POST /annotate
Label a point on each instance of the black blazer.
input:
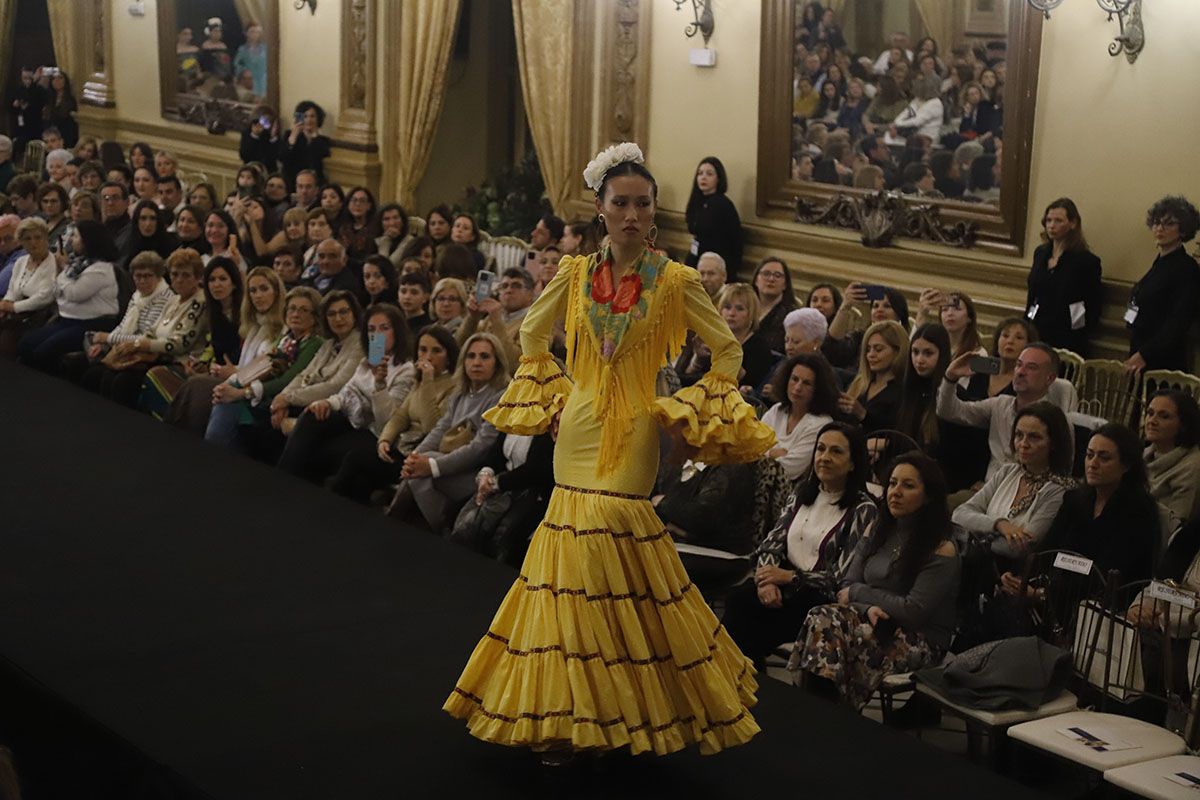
(1166, 297)
(1075, 279)
(1124, 537)
(981, 120)
(718, 228)
(883, 408)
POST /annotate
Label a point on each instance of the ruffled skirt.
(603, 642)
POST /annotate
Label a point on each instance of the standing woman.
(61, 107)
(86, 291)
(776, 299)
(625, 308)
(895, 609)
(305, 146)
(1064, 296)
(1163, 303)
(712, 219)
(874, 395)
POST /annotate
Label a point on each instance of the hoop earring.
(651, 235)
(601, 217)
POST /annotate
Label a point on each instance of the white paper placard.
(1099, 739)
(1073, 563)
(1176, 597)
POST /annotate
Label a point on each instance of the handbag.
(458, 436)
(477, 522)
(119, 361)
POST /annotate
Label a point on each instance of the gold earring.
(651, 235)
(601, 216)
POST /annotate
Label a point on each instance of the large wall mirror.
(218, 60)
(931, 100)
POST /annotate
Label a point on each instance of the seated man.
(711, 267)
(332, 273)
(1035, 374)
(502, 317)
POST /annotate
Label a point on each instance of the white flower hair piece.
(598, 167)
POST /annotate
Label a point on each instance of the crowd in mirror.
(215, 69)
(919, 460)
(908, 119)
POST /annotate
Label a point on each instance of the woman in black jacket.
(1064, 294)
(260, 142)
(712, 219)
(1163, 303)
(305, 147)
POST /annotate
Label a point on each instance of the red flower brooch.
(626, 294)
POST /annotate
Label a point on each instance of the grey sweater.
(926, 607)
(463, 407)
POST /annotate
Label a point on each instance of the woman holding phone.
(330, 430)
(844, 341)
(305, 146)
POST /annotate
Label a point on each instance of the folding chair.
(1155, 380)
(509, 251)
(884, 445)
(1107, 390)
(1054, 587)
(35, 157)
(1100, 741)
(1070, 363)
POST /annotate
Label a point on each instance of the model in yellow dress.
(603, 641)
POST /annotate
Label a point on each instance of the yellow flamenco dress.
(603, 641)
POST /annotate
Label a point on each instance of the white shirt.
(32, 286)
(881, 63)
(810, 527)
(799, 443)
(921, 117)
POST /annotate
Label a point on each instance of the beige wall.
(310, 58)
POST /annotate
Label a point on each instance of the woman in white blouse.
(801, 561)
(806, 395)
(30, 296)
(923, 116)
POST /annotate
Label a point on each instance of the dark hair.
(520, 273)
(970, 338)
(1074, 240)
(917, 416)
(981, 172)
(22, 185)
(443, 211)
(889, 91)
(696, 199)
(1179, 208)
(386, 207)
(788, 300)
(216, 318)
(170, 179)
(223, 215)
(304, 105)
(587, 230)
(837, 296)
(413, 249)
(930, 525)
(899, 304)
(1051, 353)
(1031, 332)
(454, 260)
(50, 187)
(940, 162)
(1129, 453)
(124, 169)
(97, 242)
(474, 228)
(1188, 412)
(914, 172)
(371, 218)
(860, 470)
(628, 168)
(343, 214)
(402, 348)
(445, 338)
(554, 224)
(337, 296)
(200, 244)
(825, 388)
(161, 242)
(147, 152)
(414, 279)
(387, 269)
(1062, 451)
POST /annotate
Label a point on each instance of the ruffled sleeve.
(713, 416)
(537, 392)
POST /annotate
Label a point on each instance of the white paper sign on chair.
(1073, 563)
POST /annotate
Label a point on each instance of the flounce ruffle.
(717, 421)
(537, 392)
(603, 642)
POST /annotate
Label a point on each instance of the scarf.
(76, 264)
(1020, 506)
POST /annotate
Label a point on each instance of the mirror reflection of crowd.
(212, 70)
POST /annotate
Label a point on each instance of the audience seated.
(413, 419)
(381, 281)
(804, 558)
(956, 312)
(30, 298)
(806, 398)
(844, 343)
(501, 317)
(448, 303)
(711, 267)
(772, 283)
(413, 291)
(739, 306)
(1172, 432)
(873, 398)
(439, 475)
(804, 331)
(333, 272)
(895, 609)
(394, 236)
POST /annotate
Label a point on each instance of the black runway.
(177, 621)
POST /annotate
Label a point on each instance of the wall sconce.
(702, 18)
(1130, 40)
(300, 4)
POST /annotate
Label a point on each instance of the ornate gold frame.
(1000, 229)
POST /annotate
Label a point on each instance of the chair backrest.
(509, 251)
(416, 225)
(1107, 390)
(884, 445)
(1069, 365)
(1156, 380)
(189, 179)
(35, 157)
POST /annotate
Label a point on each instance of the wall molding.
(356, 116)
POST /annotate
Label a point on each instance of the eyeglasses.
(1164, 223)
(305, 310)
(339, 313)
(111, 198)
(766, 274)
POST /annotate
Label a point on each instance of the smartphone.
(875, 292)
(984, 365)
(264, 122)
(483, 285)
(376, 342)
(243, 191)
(299, 117)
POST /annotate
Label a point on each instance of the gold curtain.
(544, 62)
(940, 22)
(66, 21)
(420, 39)
(254, 10)
(8, 16)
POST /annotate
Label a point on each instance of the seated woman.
(239, 401)
(411, 422)
(448, 303)
(220, 231)
(895, 609)
(317, 229)
(465, 231)
(331, 430)
(1172, 456)
(873, 398)
(738, 304)
(29, 301)
(360, 227)
(116, 351)
(218, 343)
(440, 474)
(149, 232)
(1112, 519)
(394, 235)
(261, 326)
(805, 556)
(826, 298)
(806, 397)
(804, 331)
(291, 237)
(844, 343)
(87, 293)
(379, 280)
(772, 283)
(189, 230)
(956, 312)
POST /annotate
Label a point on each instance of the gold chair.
(190, 179)
(1071, 362)
(1107, 391)
(1154, 380)
(509, 251)
(35, 157)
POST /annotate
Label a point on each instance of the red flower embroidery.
(628, 293)
(602, 285)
